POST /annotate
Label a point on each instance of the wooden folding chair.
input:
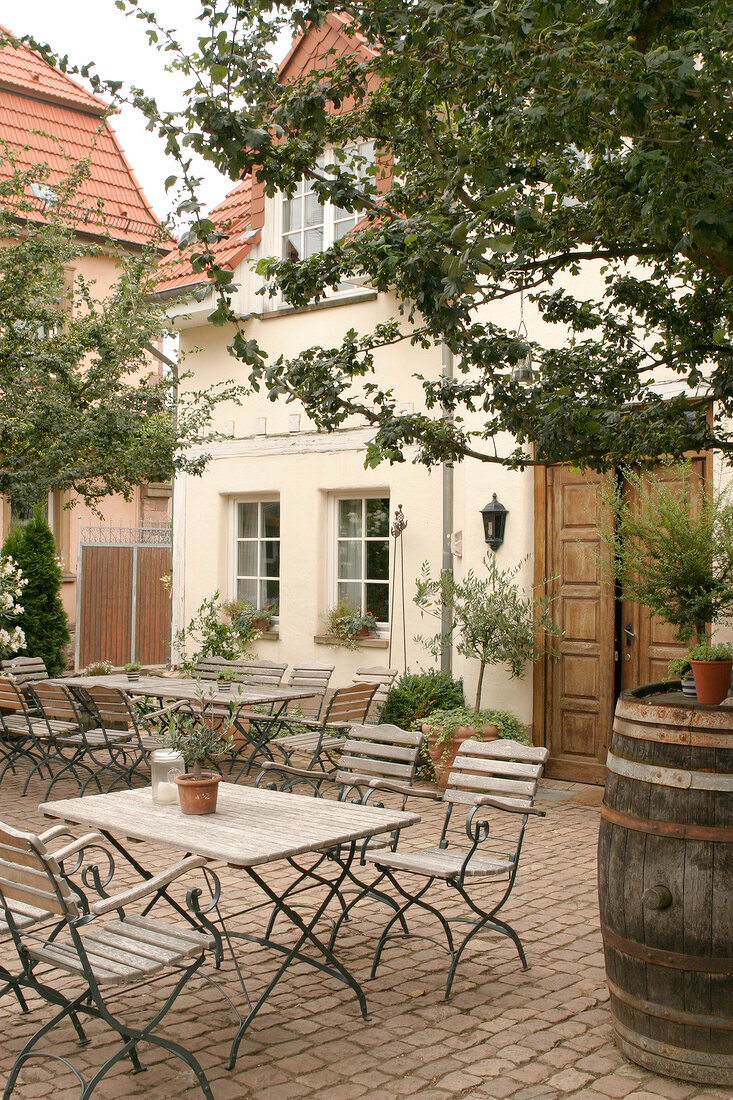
(502, 775)
(104, 955)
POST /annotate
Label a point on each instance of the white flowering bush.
(12, 583)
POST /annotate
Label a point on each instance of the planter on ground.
(665, 879)
(443, 752)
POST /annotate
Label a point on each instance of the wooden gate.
(609, 643)
(123, 610)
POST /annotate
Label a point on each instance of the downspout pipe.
(446, 564)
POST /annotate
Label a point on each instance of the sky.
(95, 30)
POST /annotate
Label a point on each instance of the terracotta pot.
(198, 796)
(443, 753)
(261, 624)
(712, 680)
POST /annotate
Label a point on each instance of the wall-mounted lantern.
(494, 516)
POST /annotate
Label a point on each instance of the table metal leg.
(329, 964)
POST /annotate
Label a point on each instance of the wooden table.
(170, 687)
(255, 738)
(251, 828)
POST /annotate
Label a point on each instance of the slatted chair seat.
(43, 728)
(114, 952)
(502, 776)
(99, 738)
(441, 863)
(124, 951)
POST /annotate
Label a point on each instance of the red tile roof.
(232, 216)
(244, 206)
(45, 117)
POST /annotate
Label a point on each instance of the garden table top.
(169, 687)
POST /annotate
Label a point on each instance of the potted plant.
(679, 668)
(132, 668)
(447, 729)
(492, 620)
(224, 680)
(200, 737)
(673, 551)
(711, 667)
(345, 623)
(248, 619)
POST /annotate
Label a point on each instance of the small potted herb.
(711, 667)
(132, 668)
(200, 737)
(225, 680)
(680, 669)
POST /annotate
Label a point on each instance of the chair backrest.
(25, 670)
(111, 707)
(266, 673)
(314, 678)
(384, 678)
(31, 883)
(56, 702)
(504, 769)
(11, 697)
(350, 704)
(379, 752)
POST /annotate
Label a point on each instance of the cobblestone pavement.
(535, 1035)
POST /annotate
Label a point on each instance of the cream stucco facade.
(273, 453)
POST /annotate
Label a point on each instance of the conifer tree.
(43, 620)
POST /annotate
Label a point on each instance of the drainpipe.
(446, 617)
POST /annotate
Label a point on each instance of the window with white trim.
(308, 225)
(257, 552)
(362, 553)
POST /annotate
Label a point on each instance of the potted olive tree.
(200, 737)
(673, 553)
(493, 622)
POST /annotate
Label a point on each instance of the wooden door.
(576, 686)
(608, 644)
(647, 644)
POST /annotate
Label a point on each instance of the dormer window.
(309, 226)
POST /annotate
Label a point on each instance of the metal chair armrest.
(287, 769)
(148, 886)
(401, 788)
(510, 806)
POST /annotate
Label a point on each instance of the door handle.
(629, 632)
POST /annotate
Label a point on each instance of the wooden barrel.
(665, 882)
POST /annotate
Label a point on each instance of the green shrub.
(416, 694)
(446, 722)
(721, 651)
(43, 621)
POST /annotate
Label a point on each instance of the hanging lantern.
(494, 516)
(522, 369)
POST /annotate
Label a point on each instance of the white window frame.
(276, 242)
(333, 539)
(259, 500)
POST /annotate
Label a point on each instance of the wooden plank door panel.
(153, 611)
(105, 618)
(580, 680)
